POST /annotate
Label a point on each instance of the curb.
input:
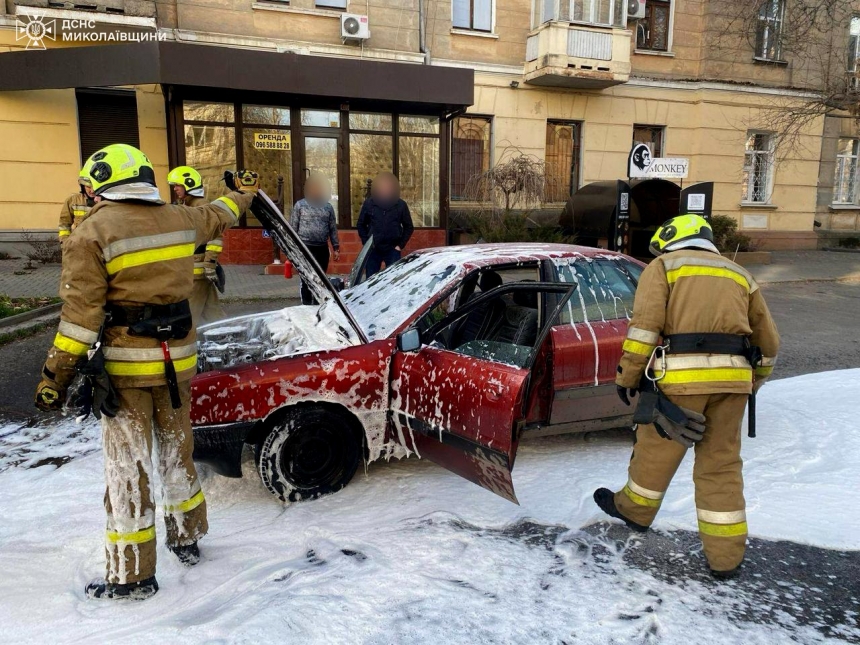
(12, 321)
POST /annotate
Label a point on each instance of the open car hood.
(314, 277)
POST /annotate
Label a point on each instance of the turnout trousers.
(716, 473)
(205, 306)
(146, 420)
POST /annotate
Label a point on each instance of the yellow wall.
(708, 126)
(40, 155)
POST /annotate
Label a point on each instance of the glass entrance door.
(321, 155)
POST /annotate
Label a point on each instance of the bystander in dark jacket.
(386, 218)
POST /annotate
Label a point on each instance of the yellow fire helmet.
(185, 176)
(682, 232)
(84, 179)
(116, 165)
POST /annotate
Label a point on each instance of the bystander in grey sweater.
(316, 225)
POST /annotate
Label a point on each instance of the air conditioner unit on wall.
(354, 27)
(635, 9)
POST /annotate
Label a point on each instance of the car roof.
(478, 255)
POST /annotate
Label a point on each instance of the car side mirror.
(337, 283)
(409, 341)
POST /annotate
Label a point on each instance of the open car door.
(462, 406)
(357, 275)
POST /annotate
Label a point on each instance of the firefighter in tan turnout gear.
(76, 208)
(187, 186)
(126, 279)
(702, 330)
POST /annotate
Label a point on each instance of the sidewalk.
(249, 283)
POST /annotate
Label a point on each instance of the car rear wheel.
(307, 453)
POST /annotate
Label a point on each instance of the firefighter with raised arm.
(126, 324)
(701, 341)
(76, 208)
(187, 186)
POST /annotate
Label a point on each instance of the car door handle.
(496, 392)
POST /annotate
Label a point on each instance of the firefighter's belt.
(731, 344)
(162, 322)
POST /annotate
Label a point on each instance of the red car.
(452, 354)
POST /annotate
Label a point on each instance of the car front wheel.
(307, 453)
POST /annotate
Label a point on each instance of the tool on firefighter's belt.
(163, 323)
(754, 356)
(658, 353)
(91, 390)
(670, 420)
(170, 377)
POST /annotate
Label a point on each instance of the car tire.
(308, 452)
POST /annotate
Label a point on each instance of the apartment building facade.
(434, 90)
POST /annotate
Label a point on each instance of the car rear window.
(606, 289)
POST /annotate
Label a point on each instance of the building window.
(418, 167)
(845, 181)
(758, 168)
(476, 15)
(854, 53)
(562, 159)
(651, 136)
(652, 32)
(595, 12)
(769, 30)
(331, 4)
(470, 151)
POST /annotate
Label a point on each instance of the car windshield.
(386, 300)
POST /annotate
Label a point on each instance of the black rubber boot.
(605, 499)
(730, 574)
(104, 590)
(189, 555)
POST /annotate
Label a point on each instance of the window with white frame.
(854, 53)
(611, 13)
(474, 15)
(845, 180)
(758, 168)
(768, 44)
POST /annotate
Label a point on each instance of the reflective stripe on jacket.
(205, 255)
(74, 211)
(692, 291)
(133, 254)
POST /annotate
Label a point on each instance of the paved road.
(818, 323)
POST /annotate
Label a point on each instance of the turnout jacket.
(693, 291)
(205, 255)
(131, 253)
(74, 211)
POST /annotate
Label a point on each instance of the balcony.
(563, 54)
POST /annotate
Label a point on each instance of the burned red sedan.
(452, 354)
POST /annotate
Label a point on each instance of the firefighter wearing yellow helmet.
(187, 186)
(700, 342)
(125, 332)
(77, 207)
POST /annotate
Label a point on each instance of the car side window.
(606, 289)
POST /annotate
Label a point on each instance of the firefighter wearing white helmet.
(125, 330)
(187, 186)
(701, 341)
(76, 208)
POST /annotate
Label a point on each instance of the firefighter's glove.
(105, 400)
(625, 393)
(210, 273)
(247, 181)
(49, 395)
(671, 421)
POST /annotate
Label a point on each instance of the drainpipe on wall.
(422, 30)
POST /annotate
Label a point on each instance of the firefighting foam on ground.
(410, 553)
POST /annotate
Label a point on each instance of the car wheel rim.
(313, 457)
